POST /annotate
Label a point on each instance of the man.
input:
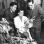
(36, 12)
(10, 13)
(22, 24)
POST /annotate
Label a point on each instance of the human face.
(13, 8)
(21, 13)
(30, 5)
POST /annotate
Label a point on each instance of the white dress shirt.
(20, 24)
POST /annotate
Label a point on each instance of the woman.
(22, 24)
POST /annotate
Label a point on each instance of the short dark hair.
(13, 3)
(20, 10)
(31, 1)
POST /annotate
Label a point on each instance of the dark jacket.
(38, 13)
(9, 16)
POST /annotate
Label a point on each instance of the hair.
(13, 3)
(31, 1)
(20, 10)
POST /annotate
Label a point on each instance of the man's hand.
(31, 20)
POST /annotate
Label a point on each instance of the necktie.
(31, 13)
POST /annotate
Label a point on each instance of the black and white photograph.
(21, 21)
